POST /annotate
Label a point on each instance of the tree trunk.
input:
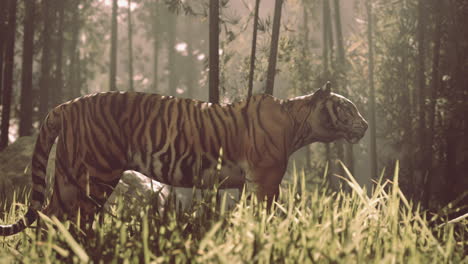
(345, 150)
(58, 96)
(326, 45)
(172, 30)
(339, 35)
(305, 24)
(421, 84)
(8, 74)
(214, 52)
(155, 15)
(79, 78)
(327, 39)
(74, 87)
(329, 32)
(336, 147)
(373, 141)
(45, 80)
(270, 82)
(254, 49)
(191, 73)
(407, 108)
(113, 55)
(3, 32)
(26, 107)
(305, 51)
(130, 48)
(431, 108)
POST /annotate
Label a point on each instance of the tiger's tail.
(45, 140)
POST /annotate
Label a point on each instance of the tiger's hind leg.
(82, 190)
(97, 185)
(63, 202)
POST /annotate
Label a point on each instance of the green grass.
(309, 224)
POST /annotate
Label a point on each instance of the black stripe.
(162, 127)
(234, 119)
(177, 142)
(38, 180)
(179, 113)
(31, 216)
(186, 168)
(37, 164)
(245, 116)
(107, 118)
(144, 114)
(260, 124)
(73, 144)
(16, 227)
(201, 123)
(165, 160)
(225, 136)
(38, 196)
(216, 131)
(96, 145)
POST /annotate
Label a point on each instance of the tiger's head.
(335, 117)
(325, 116)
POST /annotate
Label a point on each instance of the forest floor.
(309, 224)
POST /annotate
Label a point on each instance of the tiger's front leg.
(264, 182)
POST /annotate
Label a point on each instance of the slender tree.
(74, 86)
(8, 74)
(113, 54)
(270, 82)
(407, 106)
(130, 47)
(326, 69)
(254, 48)
(341, 68)
(26, 107)
(373, 150)
(58, 91)
(191, 60)
(214, 52)
(46, 61)
(421, 80)
(305, 47)
(455, 50)
(435, 81)
(326, 40)
(171, 43)
(156, 41)
(305, 24)
(339, 34)
(3, 32)
(329, 32)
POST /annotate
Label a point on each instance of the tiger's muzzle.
(357, 132)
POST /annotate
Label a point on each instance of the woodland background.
(404, 63)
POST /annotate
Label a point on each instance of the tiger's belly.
(201, 170)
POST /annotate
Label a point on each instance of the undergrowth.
(309, 224)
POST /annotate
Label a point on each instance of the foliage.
(309, 224)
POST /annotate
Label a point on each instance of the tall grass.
(309, 224)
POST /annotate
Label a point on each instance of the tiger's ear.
(327, 88)
(325, 91)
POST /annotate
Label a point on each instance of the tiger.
(177, 142)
